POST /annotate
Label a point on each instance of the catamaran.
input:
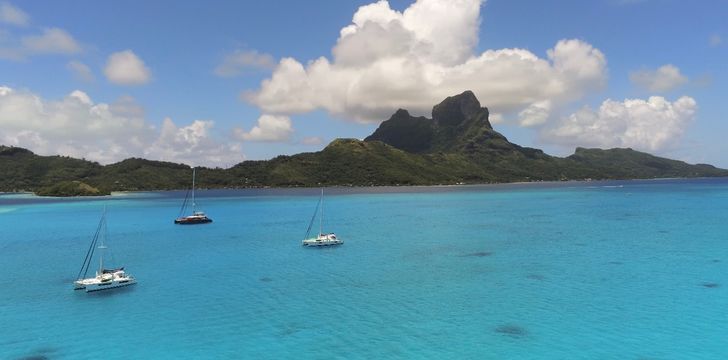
(322, 239)
(105, 279)
(197, 217)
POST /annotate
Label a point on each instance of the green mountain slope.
(20, 169)
(628, 163)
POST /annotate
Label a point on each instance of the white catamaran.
(105, 279)
(322, 239)
(197, 217)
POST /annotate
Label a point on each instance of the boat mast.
(103, 243)
(321, 220)
(193, 191)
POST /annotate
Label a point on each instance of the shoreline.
(338, 188)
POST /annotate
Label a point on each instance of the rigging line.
(102, 225)
(102, 236)
(184, 204)
(310, 224)
(90, 252)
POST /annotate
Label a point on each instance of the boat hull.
(319, 243)
(93, 286)
(106, 280)
(113, 285)
(185, 221)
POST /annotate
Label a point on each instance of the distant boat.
(322, 239)
(105, 279)
(197, 217)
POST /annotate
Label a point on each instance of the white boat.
(322, 239)
(105, 279)
(197, 217)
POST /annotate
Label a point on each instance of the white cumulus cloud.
(77, 126)
(239, 61)
(665, 78)
(10, 14)
(126, 68)
(17, 47)
(413, 59)
(51, 41)
(496, 118)
(269, 128)
(654, 124)
(194, 145)
(73, 126)
(535, 114)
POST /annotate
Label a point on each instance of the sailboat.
(322, 239)
(197, 217)
(105, 279)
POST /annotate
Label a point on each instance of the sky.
(214, 83)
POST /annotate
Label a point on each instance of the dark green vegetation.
(458, 145)
(71, 188)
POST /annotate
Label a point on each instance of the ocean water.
(597, 270)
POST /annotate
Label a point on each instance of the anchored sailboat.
(322, 239)
(197, 217)
(105, 279)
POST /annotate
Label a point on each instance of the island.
(458, 145)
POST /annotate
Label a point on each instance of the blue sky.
(216, 82)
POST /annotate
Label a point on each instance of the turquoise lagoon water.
(600, 270)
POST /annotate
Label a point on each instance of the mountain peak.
(405, 132)
(457, 122)
(401, 113)
(455, 109)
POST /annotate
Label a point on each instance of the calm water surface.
(600, 270)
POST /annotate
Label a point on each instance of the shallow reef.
(478, 254)
(511, 330)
